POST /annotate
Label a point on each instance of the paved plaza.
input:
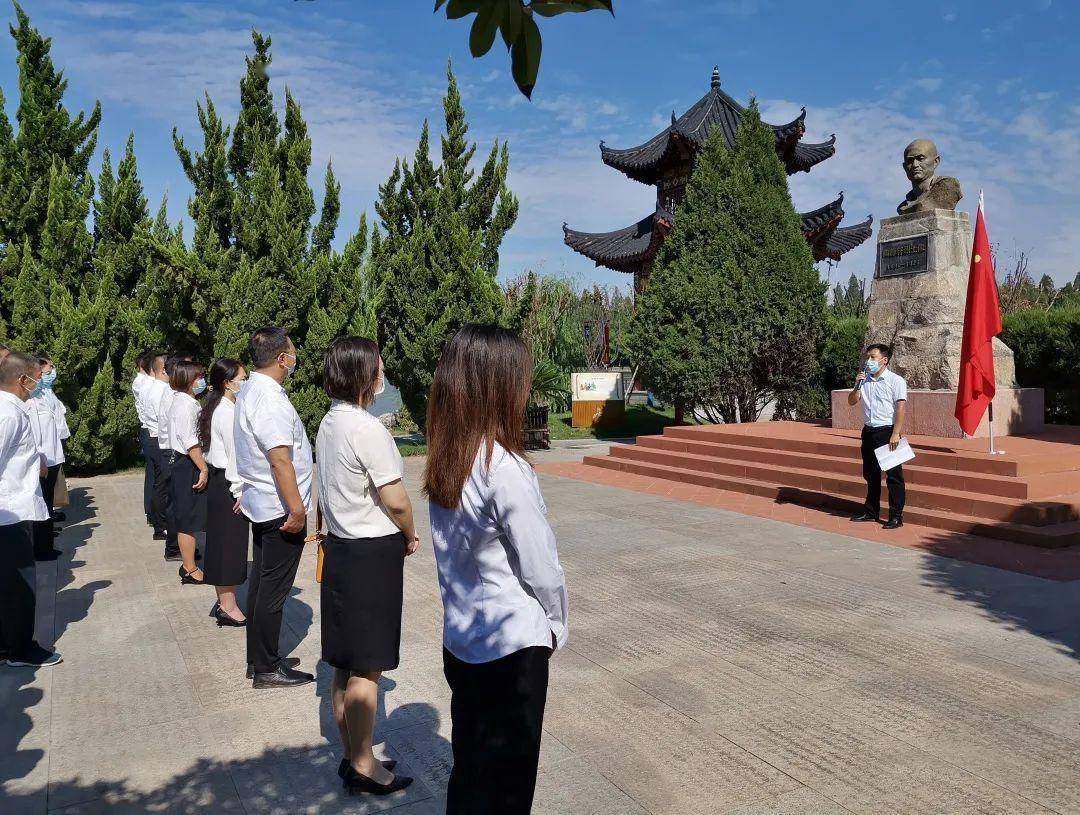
(718, 663)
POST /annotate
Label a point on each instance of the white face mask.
(290, 369)
(381, 386)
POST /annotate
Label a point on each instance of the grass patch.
(640, 420)
(410, 449)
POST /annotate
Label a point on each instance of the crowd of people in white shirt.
(229, 463)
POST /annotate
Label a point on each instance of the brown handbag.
(317, 537)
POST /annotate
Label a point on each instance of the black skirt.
(225, 557)
(363, 581)
(189, 507)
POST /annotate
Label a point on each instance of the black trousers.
(43, 530)
(872, 438)
(160, 497)
(148, 472)
(275, 559)
(497, 710)
(169, 511)
(18, 587)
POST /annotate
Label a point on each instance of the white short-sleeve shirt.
(183, 427)
(151, 397)
(355, 455)
(879, 397)
(138, 391)
(499, 573)
(164, 404)
(222, 453)
(20, 465)
(48, 424)
(265, 419)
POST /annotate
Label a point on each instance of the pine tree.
(733, 314)
(434, 268)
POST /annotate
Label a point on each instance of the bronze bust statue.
(928, 191)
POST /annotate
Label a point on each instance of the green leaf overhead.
(525, 56)
(515, 20)
(482, 36)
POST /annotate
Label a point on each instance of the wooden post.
(679, 412)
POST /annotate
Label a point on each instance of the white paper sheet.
(887, 459)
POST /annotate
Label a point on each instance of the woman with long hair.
(225, 560)
(504, 596)
(370, 532)
(188, 468)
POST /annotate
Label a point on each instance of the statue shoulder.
(946, 190)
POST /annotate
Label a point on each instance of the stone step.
(1035, 457)
(994, 508)
(1053, 536)
(1035, 487)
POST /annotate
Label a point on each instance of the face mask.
(872, 366)
(36, 389)
(48, 379)
(289, 370)
(200, 386)
(382, 385)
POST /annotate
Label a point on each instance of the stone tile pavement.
(718, 663)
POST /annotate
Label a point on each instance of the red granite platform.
(961, 501)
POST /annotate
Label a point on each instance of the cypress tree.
(434, 268)
(49, 144)
(733, 315)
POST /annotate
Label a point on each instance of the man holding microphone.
(884, 397)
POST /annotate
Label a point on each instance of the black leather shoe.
(47, 555)
(224, 619)
(356, 783)
(288, 662)
(894, 523)
(186, 578)
(343, 767)
(281, 678)
(865, 517)
(159, 536)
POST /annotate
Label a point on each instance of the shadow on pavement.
(17, 696)
(1046, 608)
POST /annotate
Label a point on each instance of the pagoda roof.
(846, 238)
(624, 250)
(687, 133)
(628, 249)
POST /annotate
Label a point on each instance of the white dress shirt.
(139, 387)
(499, 573)
(355, 455)
(164, 405)
(222, 453)
(48, 424)
(151, 396)
(265, 419)
(20, 465)
(880, 393)
(183, 422)
(61, 414)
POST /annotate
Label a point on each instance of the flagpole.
(990, 408)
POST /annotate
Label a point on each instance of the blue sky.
(995, 83)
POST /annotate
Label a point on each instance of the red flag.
(982, 322)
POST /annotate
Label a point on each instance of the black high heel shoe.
(355, 782)
(186, 578)
(225, 619)
(343, 767)
(214, 609)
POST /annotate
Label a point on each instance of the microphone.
(859, 383)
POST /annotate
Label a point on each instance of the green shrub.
(1045, 345)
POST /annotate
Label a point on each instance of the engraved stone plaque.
(903, 256)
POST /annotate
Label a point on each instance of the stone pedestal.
(921, 313)
(1017, 412)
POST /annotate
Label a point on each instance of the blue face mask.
(48, 379)
(38, 390)
(872, 366)
(200, 385)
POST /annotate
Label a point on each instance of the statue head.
(921, 161)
